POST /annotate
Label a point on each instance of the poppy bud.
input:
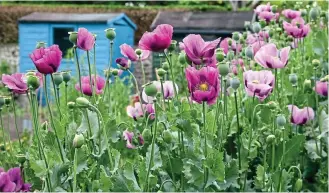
(78, 140)
(172, 46)
(235, 83)
(315, 62)
(242, 41)
(21, 158)
(66, 76)
(115, 72)
(293, 79)
(230, 55)
(249, 52)
(82, 102)
(274, 8)
(247, 24)
(33, 82)
(7, 100)
(262, 23)
(110, 33)
(272, 105)
(236, 36)
(138, 52)
(314, 13)
(161, 72)
(165, 66)
(150, 89)
(167, 137)
(182, 58)
(71, 105)
(303, 12)
(40, 45)
(270, 139)
(2, 101)
(223, 69)
(298, 185)
(256, 27)
(307, 86)
(220, 56)
(58, 78)
(73, 37)
(280, 120)
(147, 135)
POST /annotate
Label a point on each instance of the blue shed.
(53, 28)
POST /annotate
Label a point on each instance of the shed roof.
(74, 18)
(198, 22)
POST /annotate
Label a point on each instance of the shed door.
(61, 38)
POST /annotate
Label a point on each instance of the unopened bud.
(147, 135)
(249, 52)
(315, 62)
(182, 58)
(58, 78)
(229, 42)
(293, 79)
(150, 89)
(78, 140)
(82, 102)
(262, 23)
(165, 66)
(270, 139)
(274, 8)
(230, 55)
(314, 13)
(281, 121)
(172, 46)
(256, 27)
(73, 37)
(236, 36)
(220, 56)
(307, 86)
(298, 185)
(71, 105)
(161, 72)
(167, 137)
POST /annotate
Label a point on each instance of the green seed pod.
(220, 56)
(293, 79)
(270, 139)
(167, 137)
(147, 135)
(256, 27)
(315, 62)
(182, 58)
(229, 42)
(298, 185)
(223, 69)
(236, 36)
(110, 33)
(303, 12)
(40, 45)
(274, 8)
(58, 78)
(138, 52)
(172, 46)
(73, 37)
(33, 82)
(165, 66)
(314, 13)
(242, 41)
(249, 52)
(281, 120)
(7, 100)
(161, 72)
(78, 140)
(262, 23)
(235, 83)
(150, 89)
(115, 72)
(230, 55)
(21, 158)
(82, 102)
(307, 86)
(71, 105)
(66, 76)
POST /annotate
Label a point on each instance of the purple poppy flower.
(300, 116)
(203, 84)
(128, 136)
(261, 8)
(12, 181)
(129, 52)
(269, 56)
(258, 83)
(321, 88)
(235, 47)
(6, 185)
(47, 60)
(98, 85)
(235, 63)
(168, 90)
(141, 139)
(123, 63)
(15, 176)
(297, 28)
(158, 40)
(291, 14)
(85, 39)
(135, 111)
(198, 51)
(268, 16)
(17, 82)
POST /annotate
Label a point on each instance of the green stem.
(75, 170)
(238, 131)
(56, 99)
(152, 148)
(92, 83)
(3, 130)
(65, 93)
(163, 95)
(166, 181)
(169, 60)
(205, 142)
(143, 71)
(89, 133)
(78, 69)
(137, 89)
(107, 87)
(15, 116)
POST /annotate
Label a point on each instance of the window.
(61, 38)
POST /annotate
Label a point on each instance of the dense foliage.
(247, 113)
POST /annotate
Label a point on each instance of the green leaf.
(311, 147)
(105, 183)
(282, 178)
(157, 161)
(39, 168)
(128, 173)
(91, 120)
(82, 157)
(215, 167)
(231, 176)
(111, 129)
(193, 172)
(60, 125)
(292, 148)
(260, 178)
(116, 155)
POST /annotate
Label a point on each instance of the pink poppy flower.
(258, 83)
(135, 111)
(269, 56)
(128, 136)
(261, 8)
(17, 82)
(85, 39)
(129, 52)
(300, 116)
(158, 40)
(321, 88)
(297, 28)
(224, 45)
(123, 63)
(234, 65)
(203, 84)
(98, 85)
(47, 60)
(198, 51)
(12, 181)
(141, 139)
(268, 16)
(257, 45)
(168, 90)
(291, 14)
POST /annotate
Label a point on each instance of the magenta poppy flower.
(203, 84)
(224, 45)
(135, 111)
(300, 116)
(158, 40)
(235, 63)
(123, 63)
(297, 28)
(268, 16)
(141, 139)
(85, 39)
(17, 82)
(129, 52)
(128, 136)
(257, 45)
(47, 60)
(6, 185)
(198, 51)
(258, 83)
(269, 56)
(321, 88)
(168, 90)
(12, 181)
(261, 8)
(291, 14)
(98, 85)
